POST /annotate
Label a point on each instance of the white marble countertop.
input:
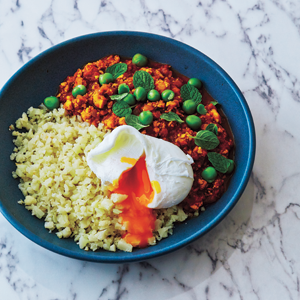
(253, 253)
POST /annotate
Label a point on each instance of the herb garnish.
(206, 140)
(118, 97)
(213, 128)
(171, 116)
(219, 162)
(214, 102)
(117, 70)
(133, 121)
(189, 92)
(143, 79)
(121, 109)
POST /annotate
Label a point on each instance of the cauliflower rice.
(59, 186)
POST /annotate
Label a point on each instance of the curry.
(164, 111)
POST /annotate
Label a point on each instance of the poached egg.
(164, 175)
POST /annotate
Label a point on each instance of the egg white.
(166, 163)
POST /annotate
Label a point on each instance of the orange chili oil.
(95, 107)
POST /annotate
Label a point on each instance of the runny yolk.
(136, 216)
(128, 160)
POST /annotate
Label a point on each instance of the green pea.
(167, 95)
(195, 82)
(146, 117)
(129, 99)
(51, 102)
(123, 88)
(139, 60)
(209, 174)
(189, 106)
(231, 166)
(193, 122)
(153, 95)
(140, 93)
(201, 109)
(106, 78)
(78, 90)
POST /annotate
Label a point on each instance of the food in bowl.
(118, 94)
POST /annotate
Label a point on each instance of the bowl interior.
(40, 78)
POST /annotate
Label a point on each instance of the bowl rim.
(210, 225)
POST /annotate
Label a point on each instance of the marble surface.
(254, 252)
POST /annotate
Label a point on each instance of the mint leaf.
(121, 109)
(206, 140)
(117, 70)
(214, 102)
(171, 116)
(219, 162)
(189, 92)
(118, 97)
(133, 121)
(213, 128)
(143, 79)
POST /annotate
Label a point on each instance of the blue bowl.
(41, 76)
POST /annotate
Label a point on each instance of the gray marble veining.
(253, 253)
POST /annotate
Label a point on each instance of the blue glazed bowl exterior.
(41, 76)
